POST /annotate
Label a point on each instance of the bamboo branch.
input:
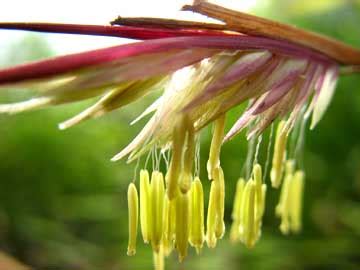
(253, 25)
(166, 23)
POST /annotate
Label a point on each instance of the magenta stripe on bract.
(67, 63)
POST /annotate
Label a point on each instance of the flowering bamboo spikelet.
(196, 235)
(279, 155)
(236, 212)
(183, 224)
(214, 156)
(179, 134)
(157, 209)
(133, 218)
(145, 206)
(202, 71)
(211, 218)
(297, 186)
(169, 225)
(220, 202)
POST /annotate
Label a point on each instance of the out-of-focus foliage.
(63, 203)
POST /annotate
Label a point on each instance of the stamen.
(259, 212)
(297, 187)
(216, 142)
(211, 216)
(157, 207)
(182, 226)
(133, 218)
(257, 174)
(169, 225)
(249, 222)
(145, 206)
(283, 208)
(236, 213)
(279, 155)
(244, 211)
(220, 203)
(196, 237)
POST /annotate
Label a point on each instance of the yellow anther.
(196, 237)
(216, 142)
(250, 236)
(182, 226)
(133, 218)
(211, 216)
(283, 207)
(279, 155)
(234, 231)
(263, 199)
(297, 187)
(240, 185)
(235, 215)
(188, 158)
(244, 211)
(261, 210)
(157, 209)
(220, 202)
(169, 225)
(145, 205)
(289, 173)
(176, 160)
(258, 191)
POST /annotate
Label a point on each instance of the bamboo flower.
(202, 71)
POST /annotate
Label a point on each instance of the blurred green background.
(63, 203)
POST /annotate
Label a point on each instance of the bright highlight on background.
(92, 12)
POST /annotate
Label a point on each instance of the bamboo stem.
(166, 23)
(253, 25)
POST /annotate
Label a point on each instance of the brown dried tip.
(253, 25)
